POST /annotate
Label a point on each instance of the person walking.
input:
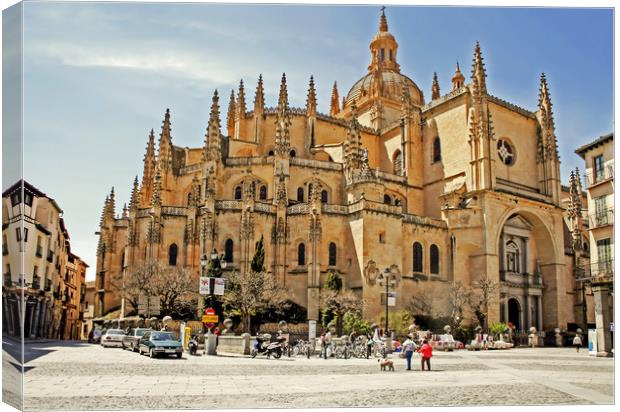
(577, 342)
(427, 352)
(323, 346)
(369, 344)
(408, 347)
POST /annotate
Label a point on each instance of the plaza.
(67, 376)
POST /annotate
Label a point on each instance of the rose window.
(505, 152)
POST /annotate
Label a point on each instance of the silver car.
(113, 338)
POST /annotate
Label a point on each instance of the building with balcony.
(599, 164)
(36, 261)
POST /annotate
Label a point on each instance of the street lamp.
(389, 280)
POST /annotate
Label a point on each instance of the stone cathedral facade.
(455, 188)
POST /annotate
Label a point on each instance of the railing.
(530, 279)
(143, 213)
(247, 161)
(228, 205)
(319, 164)
(7, 280)
(597, 176)
(335, 209)
(36, 282)
(190, 168)
(423, 221)
(602, 218)
(264, 207)
(391, 177)
(173, 210)
(298, 209)
(602, 268)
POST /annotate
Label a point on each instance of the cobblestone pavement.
(79, 376)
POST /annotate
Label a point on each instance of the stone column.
(603, 317)
(539, 322)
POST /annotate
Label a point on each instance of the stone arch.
(541, 297)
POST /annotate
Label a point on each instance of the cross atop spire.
(383, 26)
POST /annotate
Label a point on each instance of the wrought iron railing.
(36, 282)
(599, 175)
(602, 218)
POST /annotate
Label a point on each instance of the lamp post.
(388, 280)
(101, 290)
(216, 264)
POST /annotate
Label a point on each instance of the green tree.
(253, 291)
(333, 281)
(258, 261)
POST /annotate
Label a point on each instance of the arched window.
(324, 196)
(238, 193)
(512, 257)
(332, 254)
(228, 251)
(418, 265)
(436, 150)
(434, 260)
(300, 194)
(390, 54)
(387, 199)
(270, 153)
(301, 254)
(397, 161)
(292, 153)
(263, 193)
(172, 254)
(397, 202)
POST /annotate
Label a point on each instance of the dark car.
(132, 339)
(160, 343)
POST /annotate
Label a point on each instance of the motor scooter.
(193, 346)
(262, 346)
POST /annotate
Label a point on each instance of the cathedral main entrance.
(514, 313)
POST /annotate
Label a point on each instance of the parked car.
(160, 343)
(132, 339)
(443, 342)
(112, 338)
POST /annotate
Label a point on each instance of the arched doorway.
(514, 313)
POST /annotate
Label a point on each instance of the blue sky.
(99, 76)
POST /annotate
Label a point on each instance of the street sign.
(311, 329)
(210, 318)
(204, 286)
(391, 298)
(218, 288)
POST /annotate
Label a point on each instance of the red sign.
(210, 312)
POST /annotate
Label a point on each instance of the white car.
(113, 338)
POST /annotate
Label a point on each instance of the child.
(577, 342)
(427, 352)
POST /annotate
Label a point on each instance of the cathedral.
(388, 187)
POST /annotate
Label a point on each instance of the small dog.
(386, 364)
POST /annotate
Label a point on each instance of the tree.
(336, 302)
(457, 300)
(481, 296)
(174, 286)
(253, 291)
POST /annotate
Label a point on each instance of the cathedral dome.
(389, 85)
